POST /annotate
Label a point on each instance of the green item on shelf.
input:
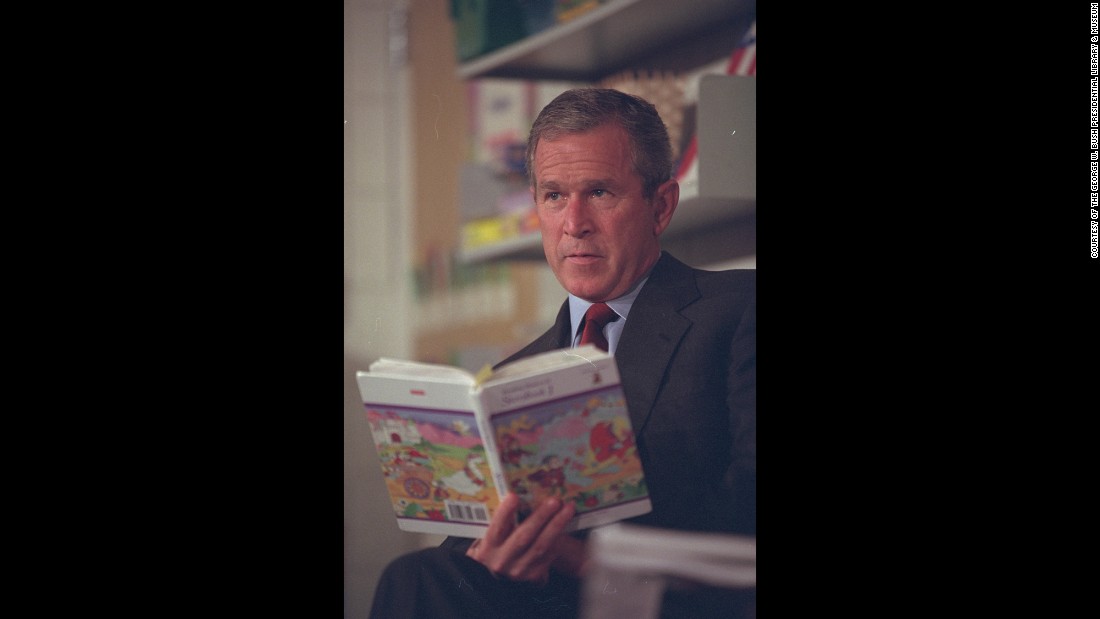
(482, 26)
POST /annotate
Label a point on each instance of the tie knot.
(600, 314)
(594, 320)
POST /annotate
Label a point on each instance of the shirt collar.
(621, 305)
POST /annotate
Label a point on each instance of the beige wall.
(405, 137)
(377, 290)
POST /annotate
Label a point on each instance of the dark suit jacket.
(687, 357)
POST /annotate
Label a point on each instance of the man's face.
(599, 233)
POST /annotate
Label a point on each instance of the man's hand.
(525, 552)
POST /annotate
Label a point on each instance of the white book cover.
(452, 444)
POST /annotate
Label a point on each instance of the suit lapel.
(649, 339)
(652, 333)
(560, 335)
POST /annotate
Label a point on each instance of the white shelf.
(693, 213)
(606, 39)
(723, 190)
(524, 247)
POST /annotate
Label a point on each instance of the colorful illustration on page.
(433, 464)
(579, 449)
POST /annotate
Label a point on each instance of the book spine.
(489, 439)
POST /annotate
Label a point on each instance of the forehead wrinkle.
(584, 182)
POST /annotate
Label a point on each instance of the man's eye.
(553, 195)
(599, 193)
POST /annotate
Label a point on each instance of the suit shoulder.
(740, 281)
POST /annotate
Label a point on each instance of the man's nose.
(578, 220)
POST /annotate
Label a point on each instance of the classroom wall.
(400, 150)
(377, 293)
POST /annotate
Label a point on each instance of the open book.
(452, 444)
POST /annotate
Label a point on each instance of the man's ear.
(665, 200)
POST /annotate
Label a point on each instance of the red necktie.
(594, 320)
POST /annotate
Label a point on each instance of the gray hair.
(583, 109)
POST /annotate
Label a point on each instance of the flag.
(742, 62)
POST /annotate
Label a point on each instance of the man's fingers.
(525, 551)
(551, 532)
(528, 531)
(504, 520)
(537, 539)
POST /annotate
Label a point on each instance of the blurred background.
(442, 257)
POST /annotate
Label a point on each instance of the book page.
(428, 371)
(431, 453)
(546, 361)
(565, 432)
(579, 449)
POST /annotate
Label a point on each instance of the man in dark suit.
(684, 339)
